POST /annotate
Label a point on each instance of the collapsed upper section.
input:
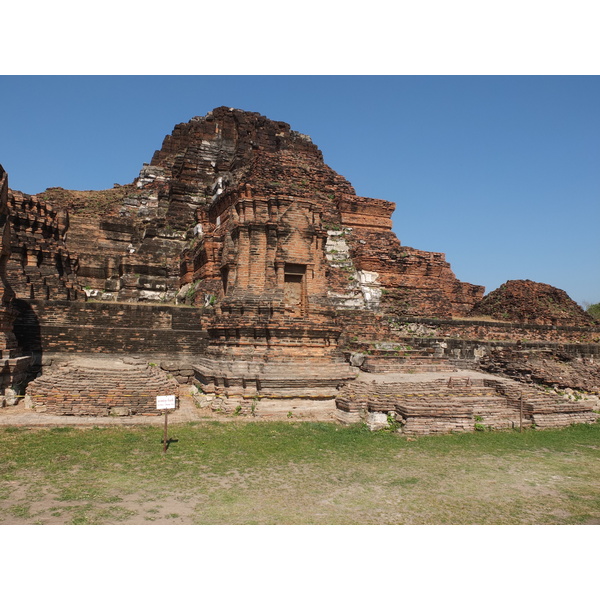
(228, 147)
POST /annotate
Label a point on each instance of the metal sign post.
(521, 412)
(165, 403)
(165, 434)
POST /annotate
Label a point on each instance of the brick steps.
(406, 366)
(458, 404)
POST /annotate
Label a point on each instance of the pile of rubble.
(552, 369)
(525, 301)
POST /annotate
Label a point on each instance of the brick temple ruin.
(240, 264)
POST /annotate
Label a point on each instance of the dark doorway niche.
(225, 278)
(293, 287)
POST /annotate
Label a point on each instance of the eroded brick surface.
(100, 389)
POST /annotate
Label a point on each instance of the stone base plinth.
(246, 380)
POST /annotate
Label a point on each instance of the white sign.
(165, 402)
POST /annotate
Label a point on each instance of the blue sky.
(499, 172)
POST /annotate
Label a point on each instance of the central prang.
(272, 328)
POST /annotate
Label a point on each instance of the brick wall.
(498, 331)
(90, 327)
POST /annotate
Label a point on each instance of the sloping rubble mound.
(550, 369)
(100, 387)
(526, 301)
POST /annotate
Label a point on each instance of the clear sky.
(502, 173)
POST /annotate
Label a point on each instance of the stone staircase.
(100, 387)
(405, 361)
(423, 404)
(545, 409)
(390, 354)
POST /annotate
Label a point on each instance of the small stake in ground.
(165, 403)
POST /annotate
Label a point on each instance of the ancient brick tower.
(240, 215)
(283, 249)
(273, 328)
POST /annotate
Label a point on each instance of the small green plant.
(152, 364)
(191, 292)
(290, 415)
(237, 411)
(254, 405)
(479, 426)
(593, 309)
(393, 425)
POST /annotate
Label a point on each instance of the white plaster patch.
(370, 288)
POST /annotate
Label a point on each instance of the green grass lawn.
(297, 473)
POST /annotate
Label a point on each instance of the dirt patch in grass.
(298, 473)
